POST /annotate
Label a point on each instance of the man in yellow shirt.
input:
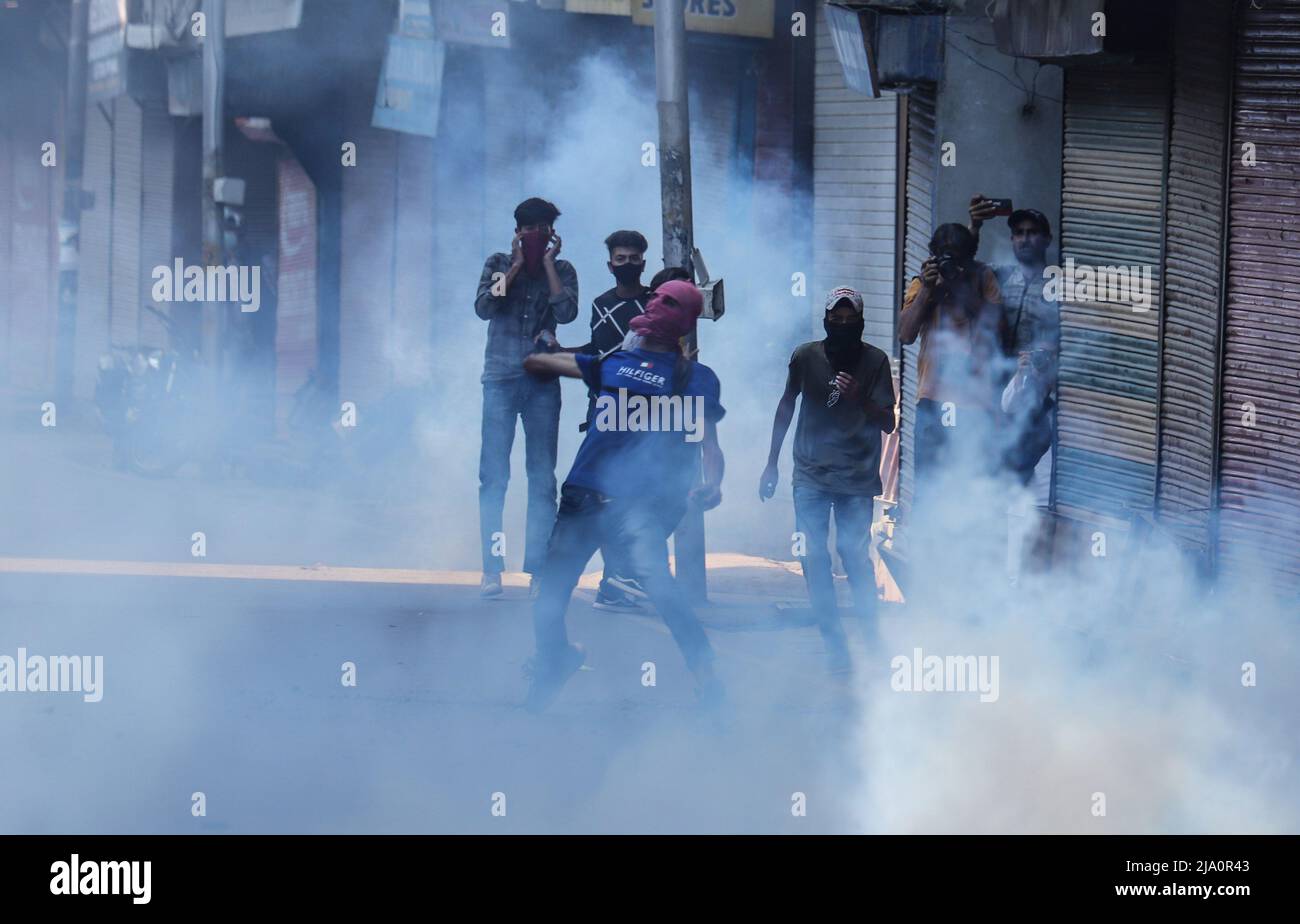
(955, 308)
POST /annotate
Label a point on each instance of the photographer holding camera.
(955, 308)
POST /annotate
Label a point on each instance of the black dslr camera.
(950, 266)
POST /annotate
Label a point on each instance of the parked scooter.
(147, 400)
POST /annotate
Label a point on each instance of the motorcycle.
(147, 401)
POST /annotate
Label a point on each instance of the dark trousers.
(587, 521)
(812, 514)
(616, 564)
(537, 402)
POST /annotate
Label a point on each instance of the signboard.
(610, 7)
(105, 50)
(410, 86)
(853, 49)
(473, 22)
(251, 17)
(729, 17)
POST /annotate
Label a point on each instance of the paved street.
(233, 688)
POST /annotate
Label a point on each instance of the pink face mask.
(534, 244)
(666, 322)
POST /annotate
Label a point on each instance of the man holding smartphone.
(522, 295)
(1034, 333)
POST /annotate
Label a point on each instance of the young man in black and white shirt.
(612, 311)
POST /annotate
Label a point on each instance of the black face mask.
(844, 343)
(628, 274)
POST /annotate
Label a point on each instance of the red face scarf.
(534, 244)
(670, 323)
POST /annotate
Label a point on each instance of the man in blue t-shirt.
(654, 418)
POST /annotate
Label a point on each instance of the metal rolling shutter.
(33, 268)
(126, 288)
(854, 193)
(365, 302)
(460, 243)
(158, 157)
(715, 110)
(1193, 264)
(96, 268)
(922, 160)
(1112, 204)
(1259, 486)
(413, 286)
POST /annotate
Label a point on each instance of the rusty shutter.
(1193, 265)
(1259, 487)
(922, 161)
(1112, 205)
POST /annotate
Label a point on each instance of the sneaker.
(547, 677)
(607, 598)
(490, 586)
(630, 586)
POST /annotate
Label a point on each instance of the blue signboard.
(410, 86)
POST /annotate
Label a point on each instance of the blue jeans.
(537, 401)
(639, 528)
(812, 514)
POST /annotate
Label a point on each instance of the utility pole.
(679, 237)
(74, 150)
(214, 105)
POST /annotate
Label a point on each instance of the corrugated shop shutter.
(410, 343)
(365, 303)
(126, 289)
(922, 161)
(715, 107)
(32, 260)
(96, 231)
(854, 193)
(158, 191)
(1193, 264)
(296, 352)
(1259, 487)
(1112, 203)
(460, 244)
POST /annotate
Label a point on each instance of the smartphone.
(1001, 206)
